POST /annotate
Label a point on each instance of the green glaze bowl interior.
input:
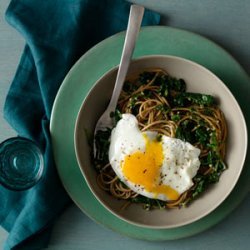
(199, 80)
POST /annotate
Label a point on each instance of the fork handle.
(134, 24)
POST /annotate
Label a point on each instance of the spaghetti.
(160, 103)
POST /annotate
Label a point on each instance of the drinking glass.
(21, 163)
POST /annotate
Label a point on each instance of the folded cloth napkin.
(57, 33)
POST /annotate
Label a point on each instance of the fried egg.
(158, 167)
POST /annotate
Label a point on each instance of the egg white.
(180, 159)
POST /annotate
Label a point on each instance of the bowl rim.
(225, 88)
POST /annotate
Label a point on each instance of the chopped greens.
(146, 77)
(168, 85)
(175, 118)
(163, 108)
(149, 203)
(184, 131)
(116, 115)
(212, 160)
(102, 142)
(202, 135)
(187, 99)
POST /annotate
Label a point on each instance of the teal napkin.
(57, 33)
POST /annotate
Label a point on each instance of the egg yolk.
(143, 169)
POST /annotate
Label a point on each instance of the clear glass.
(21, 163)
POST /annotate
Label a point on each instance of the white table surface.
(225, 22)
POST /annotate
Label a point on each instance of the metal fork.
(134, 24)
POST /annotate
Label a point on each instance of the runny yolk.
(143, 168)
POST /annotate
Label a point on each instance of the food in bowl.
(198, 80)
(168, 145)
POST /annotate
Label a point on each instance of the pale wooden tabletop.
(225, 22)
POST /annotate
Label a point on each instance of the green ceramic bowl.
(198, 79)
